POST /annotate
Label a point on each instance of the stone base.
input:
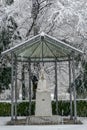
(33, 120)
(43, 104)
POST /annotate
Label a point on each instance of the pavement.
(50, 127)
(3, 126)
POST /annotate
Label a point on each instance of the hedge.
(5, 109)
(22, 108)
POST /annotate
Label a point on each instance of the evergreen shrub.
(63, 108)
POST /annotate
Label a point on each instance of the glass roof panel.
(57, 51)
(37, 52)
(59, 47)
(63, 45)
(46, 51)
(45, 45)
(27, 52)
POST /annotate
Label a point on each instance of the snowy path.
(3, 121)
(55, 127)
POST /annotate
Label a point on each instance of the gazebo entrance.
(42, 48)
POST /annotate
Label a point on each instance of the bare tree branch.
(45, 6)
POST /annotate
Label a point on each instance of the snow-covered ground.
(83, 120)
(3, 126)
(50, 127)
(4, 120)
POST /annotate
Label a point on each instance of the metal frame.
(58, 42)
(12, 85)
(74, 89)
(31, 41)
(56, 87)
(15, 88)
(71, 111)
(70, 56)
(43, 37)
(29, 65)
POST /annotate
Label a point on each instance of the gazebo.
(43, 48)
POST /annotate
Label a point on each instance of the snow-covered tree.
(64, 19)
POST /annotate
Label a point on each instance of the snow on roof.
(43, 45)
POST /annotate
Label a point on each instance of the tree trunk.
(23, 83)
(34, 13)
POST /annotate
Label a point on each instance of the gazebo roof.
(43, 45)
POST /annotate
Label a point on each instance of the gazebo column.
(29, 64)
(74, 90)
(56, 87)
(15, 88)
(12, 85)
(70, 88)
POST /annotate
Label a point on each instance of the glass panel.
(57, 50)
(27, 52)
(60, 44)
